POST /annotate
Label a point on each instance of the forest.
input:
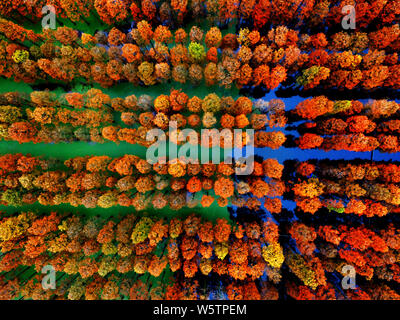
(313, 86)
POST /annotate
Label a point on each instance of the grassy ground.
(64, 151)
(68, 150)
